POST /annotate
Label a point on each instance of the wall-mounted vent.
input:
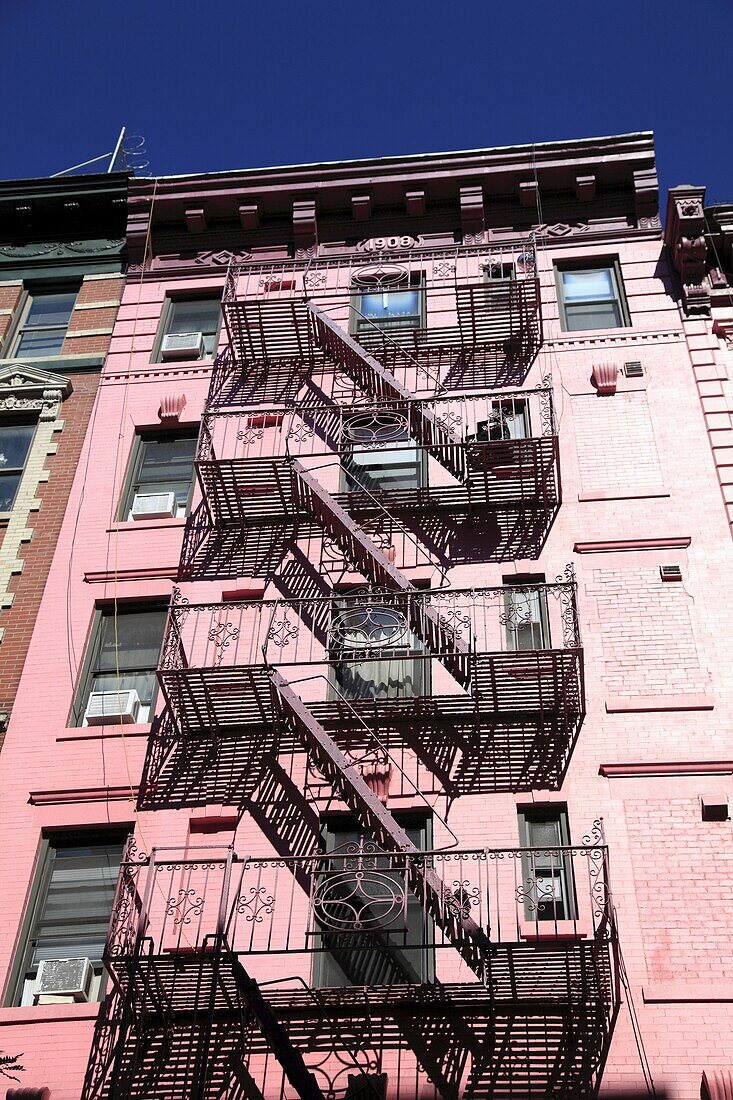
(633, 370)
(670, 572)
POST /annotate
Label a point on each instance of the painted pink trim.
(608, 546)
(81, 794)
(171, 406)
(615, 704)
(160, 572)
(625, 494)
(552, 930)
(673, 767)
(25, 1093)
(717, 1084)
(689, 992)
(604, 377)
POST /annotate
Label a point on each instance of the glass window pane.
(15, 439)
(588, 286)
(42, 343)
(195, 316)
(602, 315)
(141, 682)
(135, 643)
(167, 458)
(8, 488)
(50, 309)
(75, 914)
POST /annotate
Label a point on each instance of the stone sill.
(61, 364)
(547, 932)
(615, 704)
(46, 1014)
(622, 494)
(687, 992)
(147, 525)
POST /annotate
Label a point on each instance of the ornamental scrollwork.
(282, 629)
(184, 906)
(222, 635)
(255, 904)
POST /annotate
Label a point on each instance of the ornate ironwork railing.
(371, 626)
(354, 907)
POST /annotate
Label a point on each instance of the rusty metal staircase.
(379, 383)
(470, 940)
(366, 556)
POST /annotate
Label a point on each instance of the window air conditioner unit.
(112, 706)
(64, 980)
(153, 506)
(182, 345)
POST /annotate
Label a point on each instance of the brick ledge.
(687, 992)
(616, 704)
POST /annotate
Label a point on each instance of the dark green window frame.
(10, 474)
(361, 325)
(364, 964)
(136, 473)
(572, 314)
(40, 929)
(548, 880)
(172, 301)
(94, 665)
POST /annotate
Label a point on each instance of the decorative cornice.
(684, 235)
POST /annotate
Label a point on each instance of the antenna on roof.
(127, 156)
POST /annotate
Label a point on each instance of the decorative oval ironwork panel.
(368, 627)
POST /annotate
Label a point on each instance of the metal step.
(469, 939)
(378, 382)
(291, 1060)
(359, 549)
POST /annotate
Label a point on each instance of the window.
(123, 656)
(591, 297)
(73, 901)
(372, 928)
(371, 627)
(191, 316)
(549, 892)
(389, 300)
(380, 454)
(525, 615)
(162, 464)
(43, 323)
(15, 441)
(508, 419)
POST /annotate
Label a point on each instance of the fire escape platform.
(507, 476)
(533, 688)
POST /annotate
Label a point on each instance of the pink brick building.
(418, 469)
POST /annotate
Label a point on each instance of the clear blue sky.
(219, 84)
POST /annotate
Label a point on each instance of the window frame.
(544, 813)
(600, 263)
(331, 826)
(38, 895)
(536, 582)
(417, 660)
(134, 467)
(359, 325)
(166, 314)
(349, 448)
(31, 291)
(93, 649)
(19, 422)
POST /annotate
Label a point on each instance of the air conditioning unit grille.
(182, 345)
(112, 706)
(153, 506)
(67, 978)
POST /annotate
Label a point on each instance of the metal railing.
(371, 626)
(355, 908)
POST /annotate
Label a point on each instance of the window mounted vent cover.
(67, 978)
(633, 370)
(112, 706)
(153, 506)
(182, 345)
(670, 572)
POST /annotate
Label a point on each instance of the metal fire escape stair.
(361, 551)
(291, 1060)
(469, 939)
(369, 374)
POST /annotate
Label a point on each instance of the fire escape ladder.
(469, 939)
(371, 377)
(291, 1060)
(361, 551)
(247, 1087)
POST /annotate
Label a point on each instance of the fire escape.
(341, 664)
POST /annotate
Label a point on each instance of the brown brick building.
(61, 278)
